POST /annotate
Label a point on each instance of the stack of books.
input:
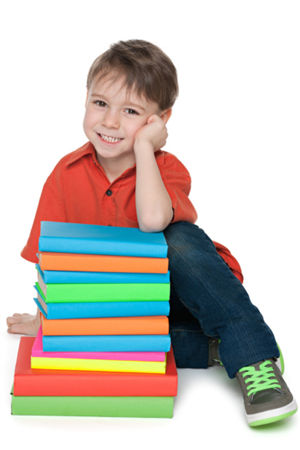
(103, 348)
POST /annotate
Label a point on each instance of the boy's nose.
(111, 120)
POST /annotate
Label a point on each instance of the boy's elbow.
(154, 224)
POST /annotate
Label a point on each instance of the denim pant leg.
(216, 298)
(190, 344)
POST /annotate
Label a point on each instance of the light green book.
(103, 292)
(147, 407)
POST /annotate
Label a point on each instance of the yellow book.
(99, 365)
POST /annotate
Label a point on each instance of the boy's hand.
(154, 133)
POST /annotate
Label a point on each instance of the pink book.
(37, 351)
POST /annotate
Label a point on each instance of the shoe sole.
(263, 418)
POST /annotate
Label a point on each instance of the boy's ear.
(165, 115)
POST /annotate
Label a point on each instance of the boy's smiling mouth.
(110, 139)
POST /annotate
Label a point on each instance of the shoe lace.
(261, 379)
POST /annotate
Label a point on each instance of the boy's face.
(112, 118)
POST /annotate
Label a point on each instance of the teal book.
(64, 237)
(131, 343)
(63, 277)
(89, 310)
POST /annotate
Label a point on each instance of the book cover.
(62, 293)
(39, 382)
(139, 343)
(106, 326)
(37, 351)
(101, 263)
(60, 276)
(145, 407)
(100, 240)
(101, 309)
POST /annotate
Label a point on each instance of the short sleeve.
(177, 181)
(50, 208)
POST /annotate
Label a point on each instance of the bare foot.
(23, 324)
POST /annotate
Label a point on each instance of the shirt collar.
(89, 149)
(86, 149)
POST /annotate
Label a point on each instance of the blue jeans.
(207, 300)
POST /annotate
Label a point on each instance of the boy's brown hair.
(146, 69)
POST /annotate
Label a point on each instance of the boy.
(122, 178)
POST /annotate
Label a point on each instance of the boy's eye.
(100, 103)
(130, 111)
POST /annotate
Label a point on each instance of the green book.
(104, 292)
(147, 407)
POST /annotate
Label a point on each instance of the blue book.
(64, 277)
(61, 237)
(141, 343)
(95, 309)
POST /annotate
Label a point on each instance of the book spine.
(105, 309)
(105, 247)
(62, 293)
(68, 383)
(106, 326)
(75, 262)
(63, 277)
(156, 407)
(158, 343)
(97, 365)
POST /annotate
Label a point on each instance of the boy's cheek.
(84, 126)
(87, 122)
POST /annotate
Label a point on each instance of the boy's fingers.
(153, 118)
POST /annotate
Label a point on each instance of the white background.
(235, 126)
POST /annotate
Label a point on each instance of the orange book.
(101, 263)
(112, 326)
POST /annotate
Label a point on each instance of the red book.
(38, 382)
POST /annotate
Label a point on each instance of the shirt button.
(109, 192)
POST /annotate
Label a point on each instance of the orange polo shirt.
(78, 191)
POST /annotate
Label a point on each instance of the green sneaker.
(214, 358)
(266, 395)
(213, 352)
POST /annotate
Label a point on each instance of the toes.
(22, 329)
(15, 329)
(17, 319)
(20, 315)
(13, 320)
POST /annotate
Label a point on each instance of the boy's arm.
(153, 203)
